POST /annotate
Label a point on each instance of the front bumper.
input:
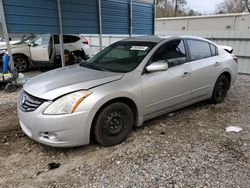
(56, 130)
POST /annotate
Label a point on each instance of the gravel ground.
(187, 148)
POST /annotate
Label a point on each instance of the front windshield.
(26, 40)
(120, 57)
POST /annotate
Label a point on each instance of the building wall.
(231, 30)
(230, 22)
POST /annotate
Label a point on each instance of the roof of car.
(158, 39)
(145, 39)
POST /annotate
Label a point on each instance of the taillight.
(85, 41)
(235, 58)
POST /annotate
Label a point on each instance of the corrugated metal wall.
(29, 16)
(115, 16)
(78, 16)
(106, 41)
(230, 30)
(142, 13)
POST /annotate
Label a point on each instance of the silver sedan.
(122, 86)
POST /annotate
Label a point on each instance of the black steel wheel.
(220, 89)
(20, 63)
(113, 124)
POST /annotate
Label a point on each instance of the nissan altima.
(125, 84)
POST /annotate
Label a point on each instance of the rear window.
(198, 49)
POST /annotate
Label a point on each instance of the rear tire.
(220, 89)
(113, 124)
(21, 63)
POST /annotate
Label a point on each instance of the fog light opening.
(53, 136)
(49, 135)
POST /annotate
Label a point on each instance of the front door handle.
(185, 74)
(217, 64)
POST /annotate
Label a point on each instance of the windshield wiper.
(92, 66)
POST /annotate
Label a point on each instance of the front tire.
(113, 124)
(220, 89)
(20, 63)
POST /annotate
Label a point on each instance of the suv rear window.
(70, 39)
(66, 39)
(198, 49)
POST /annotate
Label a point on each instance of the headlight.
(67, 104)
(2, 51)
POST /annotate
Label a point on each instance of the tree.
(247, 5)
(233, 6)
(178, 5)
(170, 8)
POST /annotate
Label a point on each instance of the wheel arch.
(228, 75)
(131, 103)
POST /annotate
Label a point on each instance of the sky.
(203, 6)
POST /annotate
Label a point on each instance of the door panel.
(39, 53)
(166, 89)
(204, 75)
(205, 65)
(40, 48)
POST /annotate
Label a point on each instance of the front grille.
(29, 103)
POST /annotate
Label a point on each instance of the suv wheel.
(220, 89)
(20, 63)
(113, 124)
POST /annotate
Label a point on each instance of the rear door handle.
(217, 64)
(185, 74)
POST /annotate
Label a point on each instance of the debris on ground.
(233, 129)
(22, 79)
(52, 166)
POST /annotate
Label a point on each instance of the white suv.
(44, 50)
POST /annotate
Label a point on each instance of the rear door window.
(213, 50)
(198, 49)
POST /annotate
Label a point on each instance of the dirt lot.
(188, 148)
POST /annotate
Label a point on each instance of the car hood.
(3, 44)
(16, 45)
(58, 82)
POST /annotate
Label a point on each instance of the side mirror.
(32, 44)
(157, 66)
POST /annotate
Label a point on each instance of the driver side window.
(172, 52)
(42, 40)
